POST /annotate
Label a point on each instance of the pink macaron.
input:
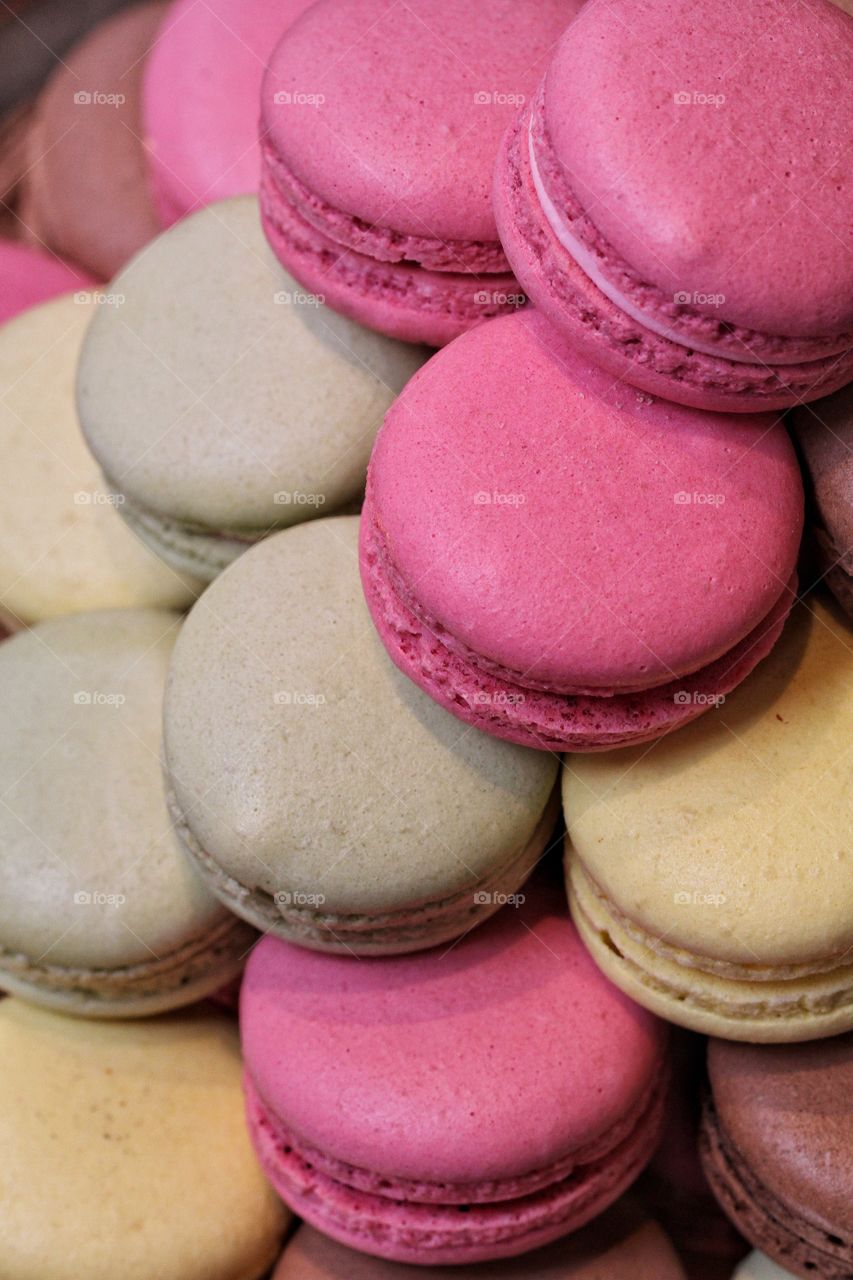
(380, 127)
(200, 99)
(676, 197)
(563, 561)
(456, 1106)
(29, 276)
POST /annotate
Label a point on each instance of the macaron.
(63, 547)
(759, 1267)
(221, 401)
(710, 877)
(622, 1244)
(566, 563)
(670, 203)
(454, 1106)
(125, 1151)
(321, 796)
(379, 130)
(85, 191)
(776, 1146)
(101, 914)
(201, 88)
(29, 276)
(824, 433)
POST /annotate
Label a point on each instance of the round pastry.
(824, 432)
(125, 1151)
(563, 562)
(63, 548)
(222, 401)
(321, 795)
(669, 201)
(380, 125)
(101, 914)
(454, 1106)
(776, 1144)
(710, 876)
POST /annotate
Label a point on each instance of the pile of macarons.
(426, 600)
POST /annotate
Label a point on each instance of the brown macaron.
(777, 1147)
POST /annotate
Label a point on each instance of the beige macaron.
(101, 912)
(711, 874)
(756, 1266)
(63, 548)
(125, 1152)
(322, 795)
(222, 400)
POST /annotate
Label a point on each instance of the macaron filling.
(200, 966)
(556, 718)
(409, 929)
(400, 1217)
(644, 302)
(789, 1237)
(739, 992)
(704, 357)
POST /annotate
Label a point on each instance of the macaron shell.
(556, 519)
(762, 222)
(394, 114)
(376, 1064)
(217, 365)
(201, 89)
(824, 432)
(86, 189)
(620, 1245)
(741, 814)
(29, 276)
(162, 1182)
(324, 773)
(63, 546)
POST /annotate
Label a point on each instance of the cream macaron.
(101, 913)
(711, 875)
(221, 400)
(125, 1151)
(63, 548)
(322, 795)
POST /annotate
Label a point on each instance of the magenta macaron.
(380, 127)
(201, 92)
(676, 197)
(455, 1106)
(563, 561)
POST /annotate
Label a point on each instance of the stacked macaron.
(327, 800)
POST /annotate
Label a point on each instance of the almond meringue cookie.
(222, 400)
(125, 1151)
(101, 913)
(63, 548)
(710, 877)
(323, 797)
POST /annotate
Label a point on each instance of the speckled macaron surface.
(776, 1143)
(125, 1151)
(221, 400)
(459, 1105)
(619, 1245)
(323, 796)
(711, 876)
(824, 432)
(63, 547)
(101, 913)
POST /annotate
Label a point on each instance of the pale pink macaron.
(201, 97)
(676, 197)
(563, 561)
(29, 275)
(460, 1105)
(381, 123)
